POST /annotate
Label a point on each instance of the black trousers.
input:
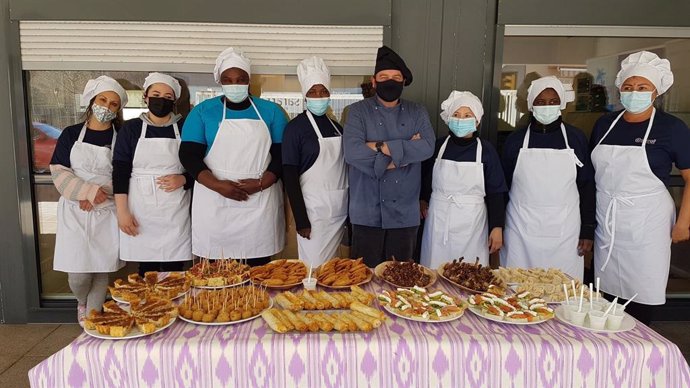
(642, 312)
(376, 245)
(161, 266)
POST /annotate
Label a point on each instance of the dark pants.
(258, 261)
(376, 245)
(642, 312)
(160, 266)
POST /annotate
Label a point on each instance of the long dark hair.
(117, 122)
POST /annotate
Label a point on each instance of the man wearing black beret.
(385, 140)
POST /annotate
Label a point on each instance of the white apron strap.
(82, 133)
(316, 127)
(478, 156)
(567, 145)
(176, 130)
(525, 141)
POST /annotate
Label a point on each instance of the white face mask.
(102, 113)
(546, 114)
(236, 93)
(637, 102)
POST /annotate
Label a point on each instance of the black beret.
(387, 59)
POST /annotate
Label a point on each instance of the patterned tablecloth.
(469, 352)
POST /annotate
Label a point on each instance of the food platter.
(135, 333)
(441, 273)
(381, 268)
(418, 304)
(343, 270)
(270, 305)
(284, 286)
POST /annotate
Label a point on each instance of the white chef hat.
(231, 57)
(103, 84)
(548, 82)
(648, 65)
(458, 99)
(313, 71)
(160, 78)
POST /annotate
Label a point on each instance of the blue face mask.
(462, 127)
(636, 102)
(236, 93)
(546, 114)
(318, 106)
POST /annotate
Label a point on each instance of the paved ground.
(24, 346)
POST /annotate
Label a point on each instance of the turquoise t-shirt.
(201, 125)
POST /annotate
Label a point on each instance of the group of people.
(550, 198)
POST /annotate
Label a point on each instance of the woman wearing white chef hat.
(314, 168)
(231, 145)
(150, 184)
(634, 151)
(87, 245)
(463, 188)
(550, 213)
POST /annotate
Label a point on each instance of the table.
(469, 352)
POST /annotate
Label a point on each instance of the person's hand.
(127, 223)
(170, 183)
(250, 186)
(680, 233)
(416, 136)
(423, 208)
(304, 232)
(495, 240)
(101, 196)
(85, 205)
(584, 246)
(231, 190)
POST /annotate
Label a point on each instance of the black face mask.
(160, 107)
(390, 90)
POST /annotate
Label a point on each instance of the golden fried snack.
(295, 321)
(364, 309)
(274, 323)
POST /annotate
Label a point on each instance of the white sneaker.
(81, 314)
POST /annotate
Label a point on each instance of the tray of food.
(279, 274)
(520, 309)
(154, 284)
(540, 283)
(418, 304)
(213, 274)
(405, 274)
(595, 319)
(322, 300)
(227, 306)
(343, 273)
(474, 278)
(139, 319)
(359, 317)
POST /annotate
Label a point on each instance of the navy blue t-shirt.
(128, 137)
(465, 150)
(668, 142)
(300, 143)
(70, 135)
(549, 136)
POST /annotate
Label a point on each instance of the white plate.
(134, 333)
(122, 301)
(270, 304)
(478, 311)
(627, 324)
(416, 319)
(220, 287)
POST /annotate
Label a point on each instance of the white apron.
(456, 224)
(164, 222)
(240, 229)
(543, 214)
(635, 217)
(324, 187)
(87, 241)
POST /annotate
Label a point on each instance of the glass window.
(54, 103)
(589, 66)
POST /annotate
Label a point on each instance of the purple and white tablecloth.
(469, 352)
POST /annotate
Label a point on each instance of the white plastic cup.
(577, 317)
(600, 305)
(614, 321)
(619, 307)
(309, 284)
(597, 320)
(566, 312)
